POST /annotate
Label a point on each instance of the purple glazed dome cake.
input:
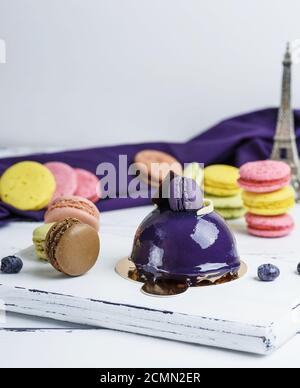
(184, 240)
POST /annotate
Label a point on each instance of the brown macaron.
(155, 165)
(72, 247)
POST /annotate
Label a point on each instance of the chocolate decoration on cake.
(178, 193)
(162, 194)
(185, 194)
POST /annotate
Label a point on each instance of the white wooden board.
(245, 315)
(110, 349)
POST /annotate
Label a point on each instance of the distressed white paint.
(245, 315)
(2, 312)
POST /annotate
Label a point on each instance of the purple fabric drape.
(233, 141)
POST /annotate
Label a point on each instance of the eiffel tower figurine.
(285, 146)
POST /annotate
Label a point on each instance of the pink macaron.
(88, 185)
(269, 227)
(264, 176)
(65, 178)
(73, 207)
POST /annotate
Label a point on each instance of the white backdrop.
(87, 72)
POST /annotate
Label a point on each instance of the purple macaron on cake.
(183, 239)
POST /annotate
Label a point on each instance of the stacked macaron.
(267, 197)
(221, 186)
(74, 181)
(154, 166)
(69, 238)
(73, 207)
(72, 247)
(31, 185)
(27, 186)
(69, 245)
(65, 178)
(38, 239)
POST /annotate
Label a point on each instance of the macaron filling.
(53, 237)
(264, 187)
(269, 233)
(76, 204)
(285, 180)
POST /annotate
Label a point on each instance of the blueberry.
(298, 268)
(268, 272)
(11, 264)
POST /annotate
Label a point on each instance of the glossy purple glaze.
(181, 245)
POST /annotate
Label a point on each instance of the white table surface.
(105, 348)
(53, 345)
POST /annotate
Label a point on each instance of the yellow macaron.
(221, 180)
(27, 186)
(270, 204)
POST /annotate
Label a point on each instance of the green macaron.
(228, 207)
(38, 239)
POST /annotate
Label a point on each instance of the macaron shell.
(158, 173)
(40, 252)
(154, 166)
(73, 207)
(230, 213)
(53, 237)
(60, 214)
(264, 171)
(27, 186)
(39, 233)
(88, 185)
(39, 238)
(221, 176)
(269, 233)
(220, 192)
(269, 223)
(65, 177)
(276, 226)
(232, 202)
(77, 250)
